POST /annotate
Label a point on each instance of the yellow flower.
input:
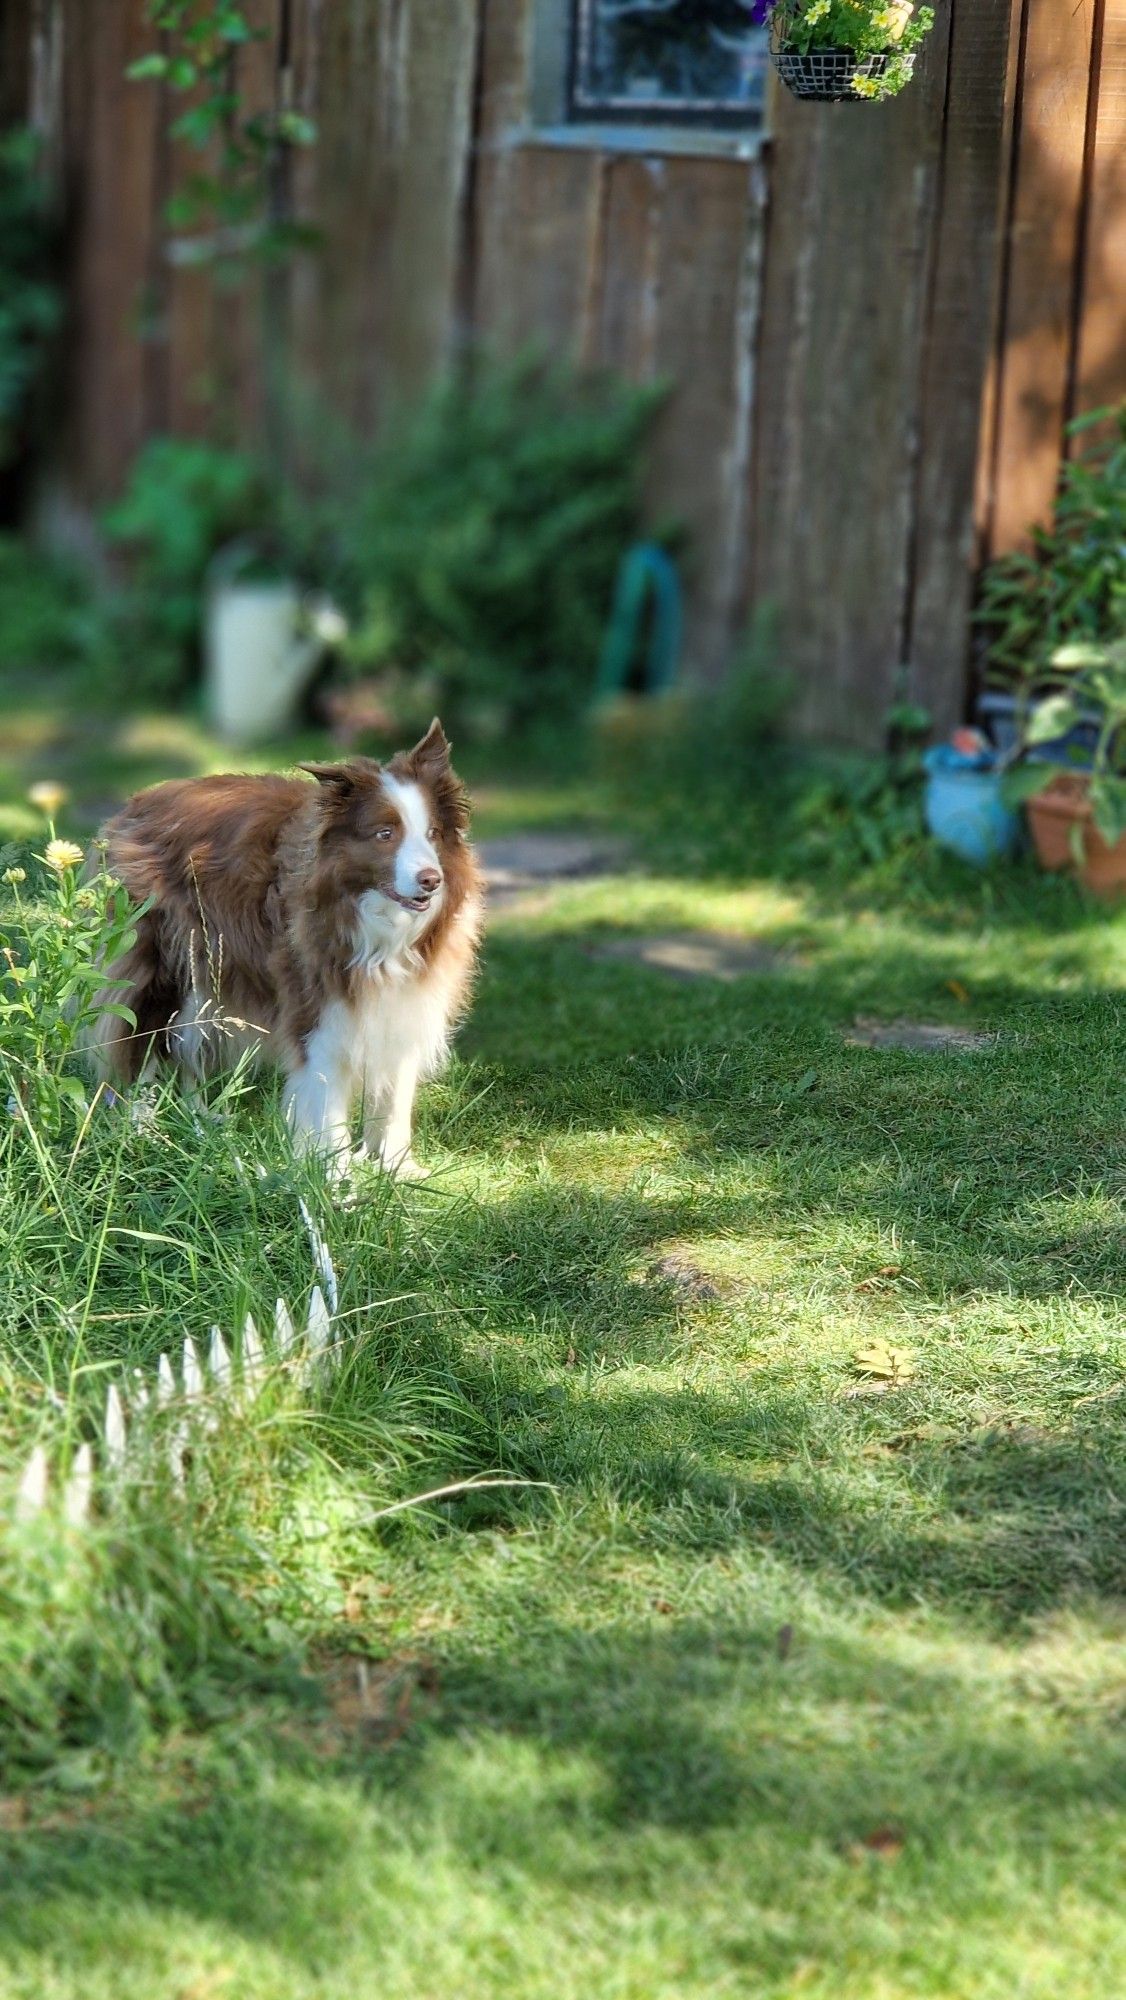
(818, 11)
(866, 86)
(63, 855)
(13, 875)
(48, 795)
(893, 19)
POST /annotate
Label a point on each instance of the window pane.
(667, 59)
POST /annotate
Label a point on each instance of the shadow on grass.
(582, 1765)
(993, 1484)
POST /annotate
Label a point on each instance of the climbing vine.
(235, 189)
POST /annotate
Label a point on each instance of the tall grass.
(121, 1242)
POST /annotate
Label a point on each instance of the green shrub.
(1072, 585)
(30, 304)
(713, 735)
(490, 537)
(184, 501)
(51, 618)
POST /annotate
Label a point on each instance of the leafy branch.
(200, 41)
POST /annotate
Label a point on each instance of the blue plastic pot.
(964, 809)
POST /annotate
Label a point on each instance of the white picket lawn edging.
(211, 1381)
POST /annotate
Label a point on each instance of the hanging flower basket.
(807, 52)
(830, 76)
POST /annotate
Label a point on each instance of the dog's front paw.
(404, 1166)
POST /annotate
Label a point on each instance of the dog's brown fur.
(253, 886)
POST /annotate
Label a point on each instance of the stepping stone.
(686, 1277)
(924, 1037)
(538, 860)
(696, 954)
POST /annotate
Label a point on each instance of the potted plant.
(1055, 680)
(1076, 798)
(843, 51)
(1067, 587)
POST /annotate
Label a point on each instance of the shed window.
(700, 62)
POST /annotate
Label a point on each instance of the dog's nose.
(429, 880)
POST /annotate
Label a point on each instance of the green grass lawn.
(763, 1682)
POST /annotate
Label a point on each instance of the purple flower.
(761, 10)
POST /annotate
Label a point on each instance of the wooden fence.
(877, 327)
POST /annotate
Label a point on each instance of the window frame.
(694, 119)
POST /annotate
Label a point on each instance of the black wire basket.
(825, 76)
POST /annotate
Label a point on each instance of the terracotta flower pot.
(1052, 816)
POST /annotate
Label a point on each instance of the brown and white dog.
(331, 927)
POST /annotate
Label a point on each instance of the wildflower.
(817, 12)
(48, 795)
(63, 855)
(866, 86)
(14, 875)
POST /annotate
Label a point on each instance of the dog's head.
(391, 833)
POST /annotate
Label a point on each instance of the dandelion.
(63, 855)
(48, 795)
(13, 875)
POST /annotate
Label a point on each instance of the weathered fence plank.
(1100, 364)
(839, 389)
(1039, 311)
(109, 152)
(959, 329)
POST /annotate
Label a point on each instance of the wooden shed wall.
(832, 314)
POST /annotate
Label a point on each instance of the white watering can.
(263, 640)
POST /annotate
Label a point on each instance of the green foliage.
(51, 620)
(185, 500)
(30, 303)
(198, 59)
(1072, 586)
(750, 790)
(490, 537)
(867, 27)
(864, 813)
(54, 951)
(714, 736)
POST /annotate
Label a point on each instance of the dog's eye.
(383, 832)
(433, 833)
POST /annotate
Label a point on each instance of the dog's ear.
(342, 778)
(430, 762)
(328, 774)
(432, 751)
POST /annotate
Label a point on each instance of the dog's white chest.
(397, 1020)
(386, 936)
